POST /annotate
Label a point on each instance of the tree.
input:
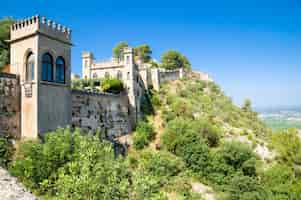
(112, 85)
(118, 49)
(144, 52)
(4, 35)
(174, 60)
(247, 105)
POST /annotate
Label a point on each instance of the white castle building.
(36, 95)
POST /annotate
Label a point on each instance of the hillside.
(193, 143)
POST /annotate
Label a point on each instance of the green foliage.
(181, 140)
(154, 64)
(6, 151)
(235, 154)
(173, 60)
(5, 24)
(143, 135)
(118, 49)
(69, 165)
(144, 52)
(197, 99)
(152, 171)
(287, 143)
(247, 106)
(281, 182)
(112, 85)
(232, 158)
(246, 188)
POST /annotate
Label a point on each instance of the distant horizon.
(251, 49)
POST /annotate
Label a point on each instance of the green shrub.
(94, 173)
(246, 188)
(181, 140)
(69, 165)
(235, 153)
(287, 143)
(143, 135)
(112, 85)
(6, 151)
(152, 172)
(281, 181)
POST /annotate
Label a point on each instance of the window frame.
(60, 68)
(30, 67)
(47, 65)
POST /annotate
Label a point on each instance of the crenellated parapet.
(37, 24)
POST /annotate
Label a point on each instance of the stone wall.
(169, 75)
(9, 105)
(107, 112)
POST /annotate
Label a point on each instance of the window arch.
(94, 75)
(47, 67)
(29, 71)
(119, 75)
(60, 70)
(107, 75)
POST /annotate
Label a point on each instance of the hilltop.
(193, 143)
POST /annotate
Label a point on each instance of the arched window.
(29, 73)
(60, 70)
(94, 75)
(47, 67)
(119, 75)
(107, 75)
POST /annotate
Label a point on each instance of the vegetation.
(110, 85)
(69, 165)
(197, 139)
(6, 151)
(174, 60)
(118, 49)
(169, 60)
(143, 52)
(288, 144)
(4, 35)
(143, 135)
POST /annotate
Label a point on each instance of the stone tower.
(131, 82)
(87, 59)
(40, 56)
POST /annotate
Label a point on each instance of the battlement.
(36, 24)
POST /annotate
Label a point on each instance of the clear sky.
(251, 48)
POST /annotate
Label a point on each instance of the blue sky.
(251, 48)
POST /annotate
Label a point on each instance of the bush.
(236, 153)
(143, 135)
(152, 172)
(69, 165)
(281, 181)
(112, 85)
(246, 188)
(181, 140)
(6, 151)
(288, 144)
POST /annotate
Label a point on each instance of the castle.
(36, 95)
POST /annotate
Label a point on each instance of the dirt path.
(159, 129)
(205, 191)
(11, 189)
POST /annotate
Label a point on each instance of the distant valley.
(281, 117)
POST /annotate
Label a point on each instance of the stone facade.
(45, 104)
(37, 97)
(9, 105)
(106, 112)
